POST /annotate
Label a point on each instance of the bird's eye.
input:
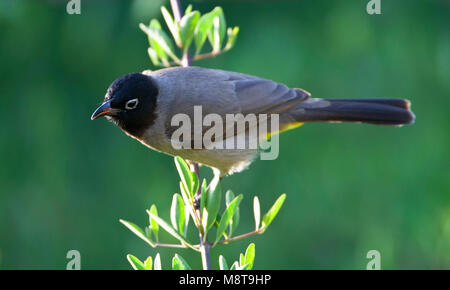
(131, 104)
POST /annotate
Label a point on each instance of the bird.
(144, 104)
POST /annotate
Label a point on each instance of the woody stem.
(186, 61)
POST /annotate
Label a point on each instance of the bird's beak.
(104, 109)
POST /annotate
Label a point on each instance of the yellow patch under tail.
(285, 127)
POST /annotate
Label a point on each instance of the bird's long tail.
(373, 111)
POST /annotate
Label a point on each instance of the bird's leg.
(194, 168)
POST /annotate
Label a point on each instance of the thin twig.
(197, 57)
(206, 259)
(239, 237)
(209, 54)
(176, 8)
(172, 245)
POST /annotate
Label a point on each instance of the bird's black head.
(130, 102)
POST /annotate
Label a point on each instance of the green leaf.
(138, 232)
(187, 28)
(135, 262)
(227, 216)
(188, 201)
(243, 267)
(178, 214)
(155, 51)
(232, 36)
(213, 201)
(159, 37)
(223, 263)
(173, 27)
(250, 256)
(195, 183)
(188, 9)
(148, 263)
(234, 266)
(204, 223)
(185, 175)
(217, 32)
(153, 56)
(157, 262)
(153, 224)
(241, 259)
(178, 263)
(271, 214)
(256, 212)
(160, 52)
(186, 220)
(168, 228)
(204, 25)
(229, 196)
(204, 195)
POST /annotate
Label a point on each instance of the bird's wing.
(222, 92)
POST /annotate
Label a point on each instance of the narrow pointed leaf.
(213, 201)
(195, 183)
(204, 195)
(174, 212)
(135, 262)
(204, 222)
(241, 259)
(271, 214)
(186, 220)
(185, 174)
(229, 196)
(250, 256)
(223, 263)
(161, 38)
(173, 26)
(158, 50)
(157, 262)
(188, 9)
(232, 36)
(178, 263)
(234, 266)
(256, 212)
(243, 267)
(138, 232)
(153, 56)
(187, 28)
(218, 30)
(227, 216)
(204, 25)
(178, 214)
(215, 35)
(168, 228)
(148, 263)
(153, 224)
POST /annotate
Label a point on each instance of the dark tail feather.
(373, 111)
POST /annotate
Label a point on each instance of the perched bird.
(143, 106)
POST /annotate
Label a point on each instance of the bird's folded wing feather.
(223, 92)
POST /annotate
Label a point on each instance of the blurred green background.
(65, 181)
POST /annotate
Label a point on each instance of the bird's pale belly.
(227, 161)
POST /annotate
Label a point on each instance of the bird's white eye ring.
(132, 104)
